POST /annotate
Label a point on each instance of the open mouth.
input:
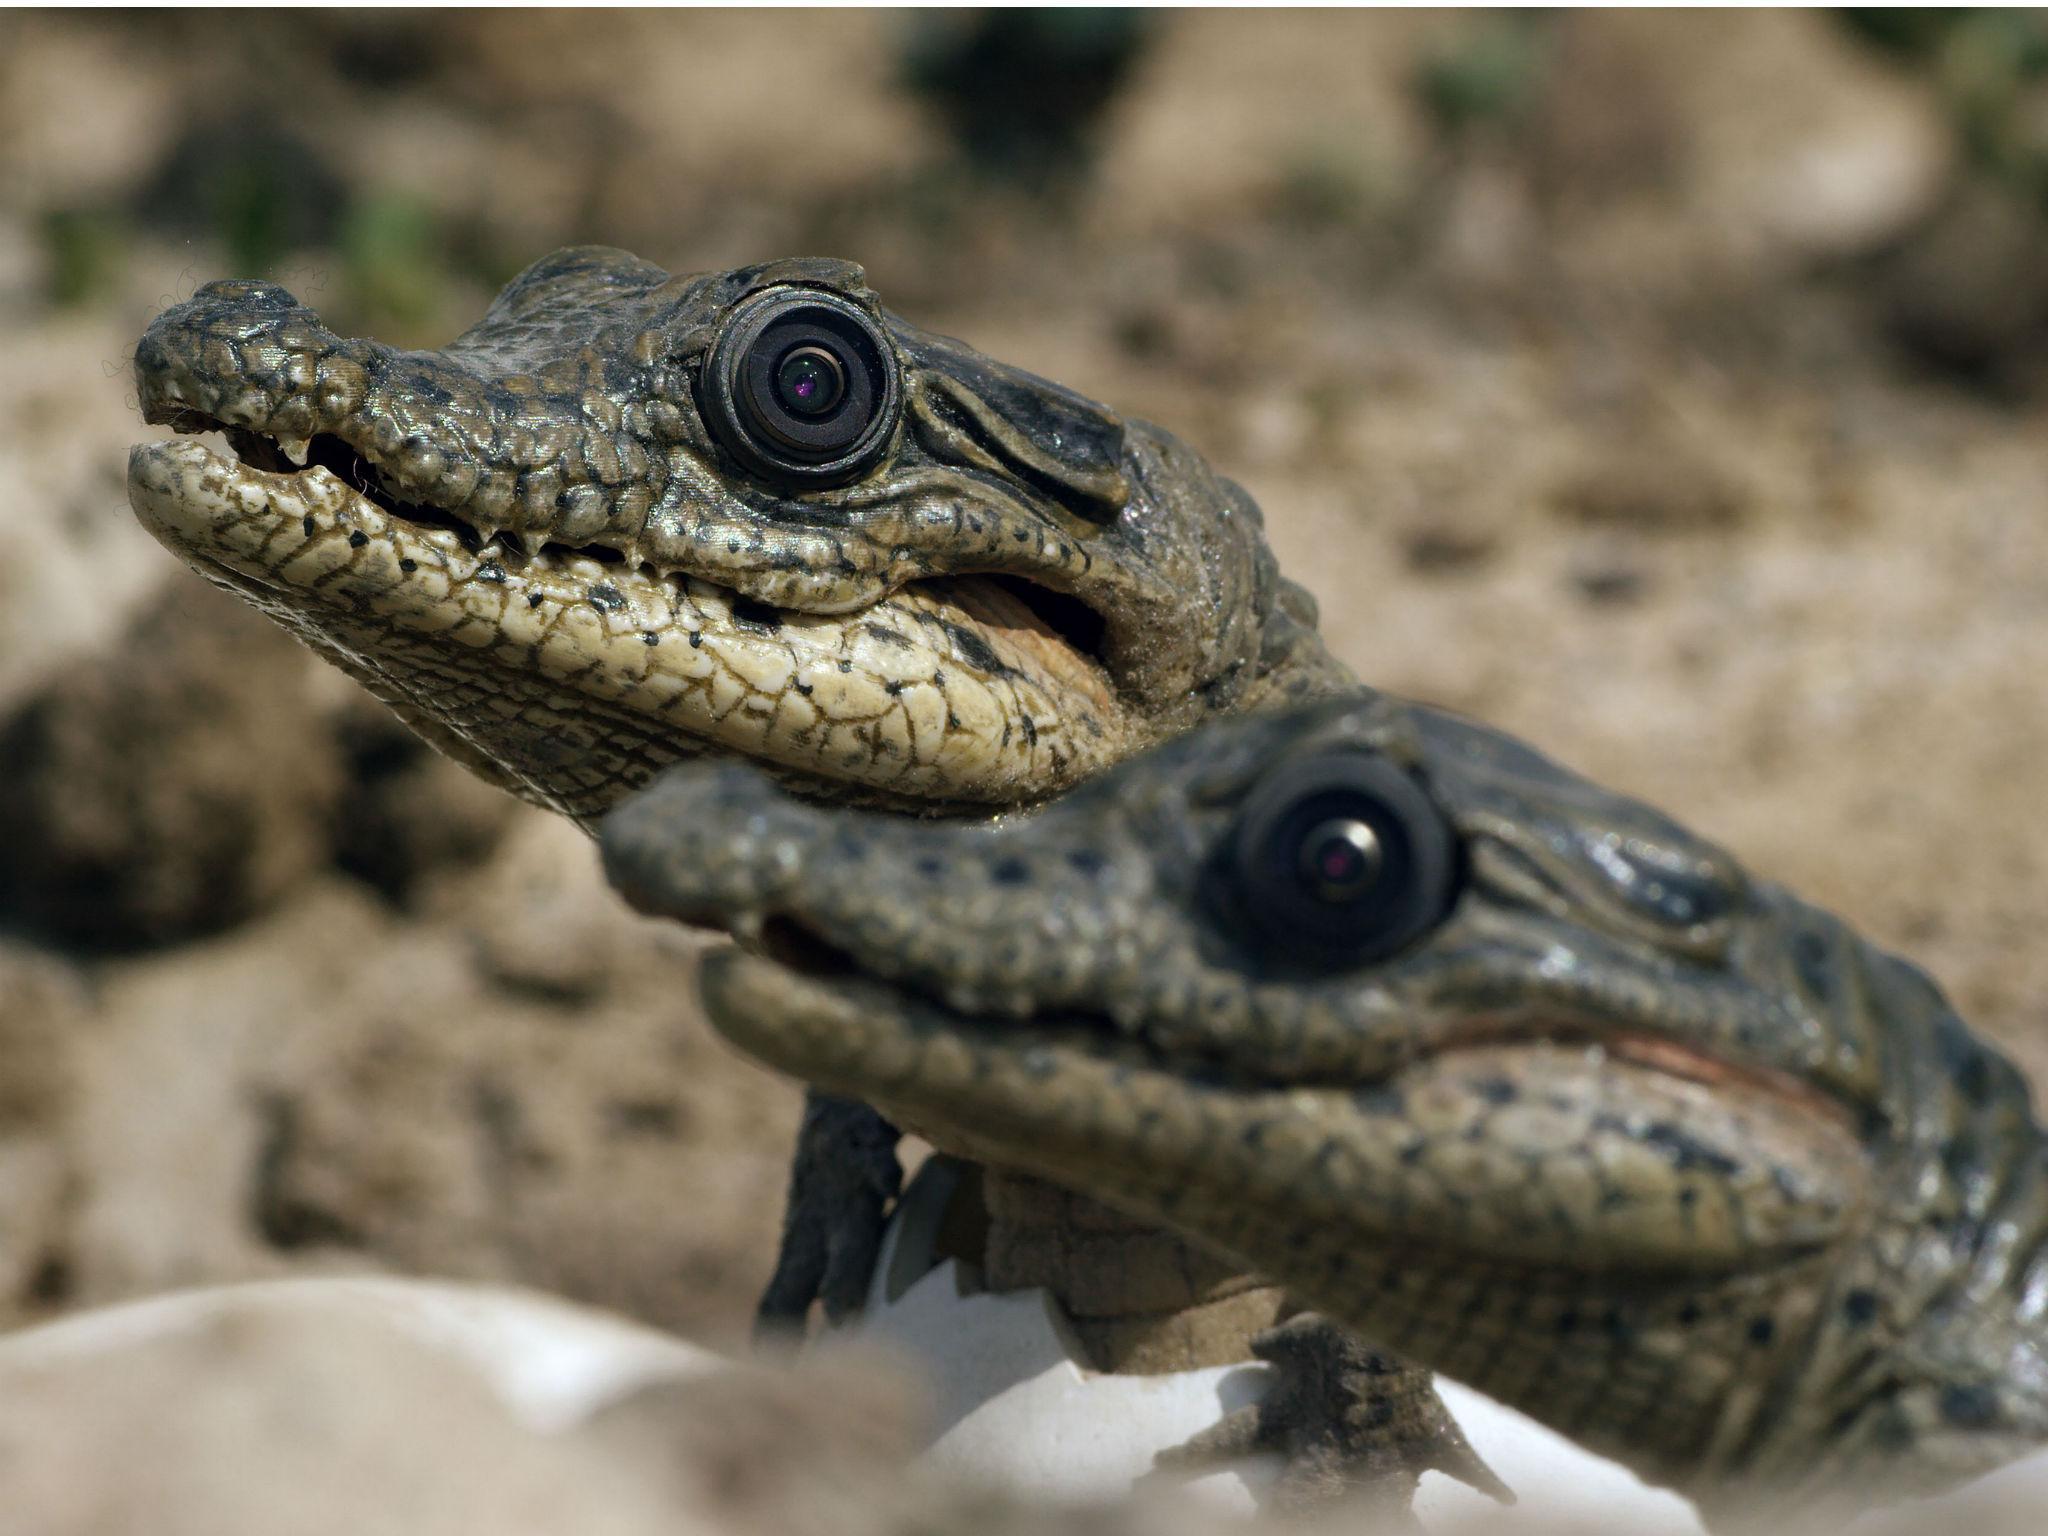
(971, 689)
(1061, 617)
(1546, 1145)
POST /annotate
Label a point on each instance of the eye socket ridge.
(802, 387)
(1339, 859)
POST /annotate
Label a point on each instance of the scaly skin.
(560, 578)
(1626, 1137)
(536, 547)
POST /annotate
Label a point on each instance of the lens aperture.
(810, 381)
(1341, 859)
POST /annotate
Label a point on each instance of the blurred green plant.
(1328, 182)
(1489, 76)
(1022, 92)
(394, 261)
(83, 252)
(1990, 68)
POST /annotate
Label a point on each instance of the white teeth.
(295, 449)
(535, 543)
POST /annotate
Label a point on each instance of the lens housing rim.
(1418, 850)
(740, 375)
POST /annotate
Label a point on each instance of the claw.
(841, 1182)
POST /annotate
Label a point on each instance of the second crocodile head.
(631, 517)
(1514, 1074)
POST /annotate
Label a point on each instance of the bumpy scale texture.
(532, 545)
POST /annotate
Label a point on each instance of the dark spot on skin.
(1010, 872)
(1497, 1090)
(938, 679)
(1686, 1152)
(308, 524)
(408, 565)
(533, 599)
(930, 865)
(749, 614)
(1022, 535)
(1616, 1325)
(358, 539)
(974, 650)
(804, 689)
(887, 635)
(696, 639)
(1761, 1331)
(1859, 1307)
(1087, 861)
(490, 570)
(650, 638)
(846, 666)
(1688, 1197)
(952, 720)
(607, 598)
(1810, 959)
(1030, 730)
(1413, 1153)
(1961, 1159)
(1381, 1098)
(1970, 1407)
(1567, 1323)
(1894, 1432)
(1253, 1136)
(732, 546)
(892, 689)
(1689, 1314)
(1968, 1066)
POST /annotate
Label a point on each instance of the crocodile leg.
(1353, 1425)
(842, 1180)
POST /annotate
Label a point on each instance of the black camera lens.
(810, 381)
(801, 387)
(1341, 858)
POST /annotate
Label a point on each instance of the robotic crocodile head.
(1514, 1075)
(630, 518)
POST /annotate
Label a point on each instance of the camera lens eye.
(1341, 858)
(810, 381)
(801, 387)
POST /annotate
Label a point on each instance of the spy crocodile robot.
(1509, 1073)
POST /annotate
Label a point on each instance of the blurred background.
(1669, 389)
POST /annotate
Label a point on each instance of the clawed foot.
(841, 1183)
(1352, 1425)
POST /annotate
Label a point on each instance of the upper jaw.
(568, 420)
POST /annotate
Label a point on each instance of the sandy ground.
(1590, 428)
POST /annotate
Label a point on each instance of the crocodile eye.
(1341, 858)
(801, 388)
